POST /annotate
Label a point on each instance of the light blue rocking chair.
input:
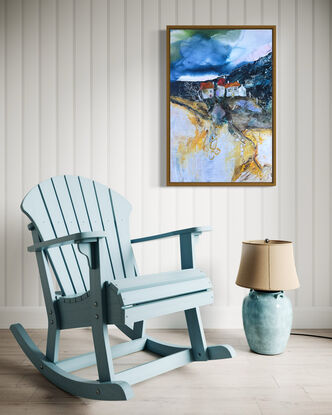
(80, 229)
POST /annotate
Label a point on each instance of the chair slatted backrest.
(64, 205)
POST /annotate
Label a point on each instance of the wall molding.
(217, 317)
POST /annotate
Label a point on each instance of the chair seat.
(135, 299)
(157, 286)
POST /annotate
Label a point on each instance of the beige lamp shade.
(267, 266)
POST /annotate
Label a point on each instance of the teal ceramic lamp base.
(267, 320)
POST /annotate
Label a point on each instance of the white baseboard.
(213, 317)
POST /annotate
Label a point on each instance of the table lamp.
(267, 268)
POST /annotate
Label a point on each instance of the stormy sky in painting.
(198, 55)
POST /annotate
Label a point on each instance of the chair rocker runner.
(80, 230)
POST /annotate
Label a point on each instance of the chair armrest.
(195, 231)
(75, 238)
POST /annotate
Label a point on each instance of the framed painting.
(221, 110)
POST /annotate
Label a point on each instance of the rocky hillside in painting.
(257, 78)
(241, 112)
(245, 112)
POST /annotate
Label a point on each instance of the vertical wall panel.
(48, 88)
(117, 95)
(82, 90)
(321, 153)
(99, 149)
(82, 87)
(13, 153)
(2, 154)
(304, 151)
(65, 77)
(30, 137)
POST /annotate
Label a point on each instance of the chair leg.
(137, 332)
(193, 316)
(52, 348)
(139, 329)
(103, 352)
(196, 333)
(198, 342)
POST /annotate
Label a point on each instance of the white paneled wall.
(82, 91)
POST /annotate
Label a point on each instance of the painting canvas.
(221, 105)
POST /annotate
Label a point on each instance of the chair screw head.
(52, 321)
(95, 304)
(50, 312)
(97, 316)
(98, 391)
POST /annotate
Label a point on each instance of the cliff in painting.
(221, 106)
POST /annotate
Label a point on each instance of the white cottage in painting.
(231, 89)
(207, 90)
(220, 91)
(235, 89)
(242, 91)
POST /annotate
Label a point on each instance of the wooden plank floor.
(296, 382)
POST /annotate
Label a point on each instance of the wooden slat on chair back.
(64, 205)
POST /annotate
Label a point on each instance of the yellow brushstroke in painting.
(257, 135)
(213, 149)
(250, 164)
(243, 152)
(193, 144)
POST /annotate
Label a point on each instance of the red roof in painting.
(232, 84)
(221, 81)
(207, 85)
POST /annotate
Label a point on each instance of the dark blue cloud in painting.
(202, 55)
